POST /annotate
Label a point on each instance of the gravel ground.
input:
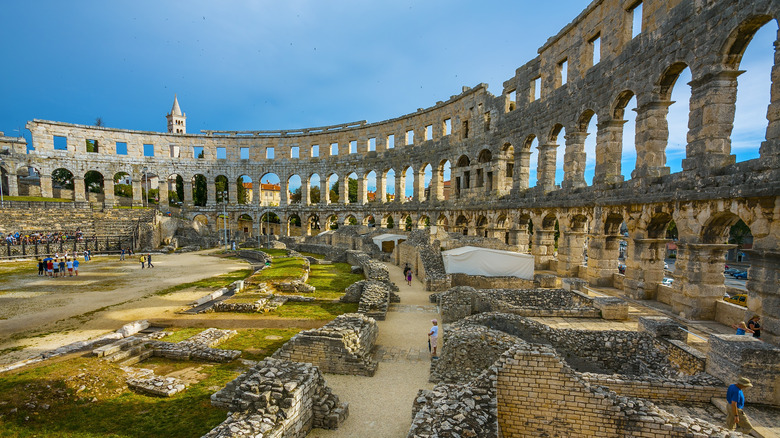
(381, 406)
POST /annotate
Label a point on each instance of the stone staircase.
(126, 352)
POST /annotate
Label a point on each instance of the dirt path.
(381, 406)
(41, 314)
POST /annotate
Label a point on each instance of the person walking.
(142, 259)
(149, 261)
(40, 267)
(736, 402)
(741, 328)
(70, 268)
(409, 277)
(62, 267)
(755, 324)
(433, 338)
(76, 267)
(122, 254)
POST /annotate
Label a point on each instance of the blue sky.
(241, 65)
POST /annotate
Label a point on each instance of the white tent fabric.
(385, 237)
(472, 260)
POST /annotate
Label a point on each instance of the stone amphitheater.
(486, 141)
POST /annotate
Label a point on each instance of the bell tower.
(177, 120)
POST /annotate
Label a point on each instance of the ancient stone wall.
(343, 346)
(277, 399)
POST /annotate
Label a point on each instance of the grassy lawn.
(311, 254)
(180, 334)
(214, 282)
(281, 268)
(35, 199)
(332, 280)
(314, 310)
(275, 252)
(107, 408)
(16, 268)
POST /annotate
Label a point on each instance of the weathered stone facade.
(489, 148)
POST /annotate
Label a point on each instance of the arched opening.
(175, 190)
(244, 190)
(313, 227)
(625, 110)
(294, 190)
(753, 52)
(62, 183)
(270, 190)
(294, 227)
(408, 192)
(529, 162)
(525, 231)
(200, 222)
(388, 222)
(585, 166)
(333, 189)
(28, 181)
(221, 186)
(424, 222)
(506, 169)
(123, 189)
(315, 197)
(332, 222)
(462, 176)
(443, 222)
(93, 186)
(245, 226)
(500, 231)
(4, 186)
(352, 188)
(408, 223)
(370, 187)
(270, 223)
(369, 221)
(350, 220)
(558, 138)
(427, 176)
(481, 226)
(462, 225)
(676, 120)
(484, 176)
(443, 190)
(390, 185)
(199, 190)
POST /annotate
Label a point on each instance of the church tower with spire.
(177, 120)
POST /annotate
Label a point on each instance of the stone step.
(137, 358)
(126, 354)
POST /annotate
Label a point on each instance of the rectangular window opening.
(410, 136)
(447, 126)
(636, 19)
(487, 121)
(175, 151)
(148, 150)
(391, 141)
(244, 153)
(197, 152)
(221, 153)
(315, 150)
(269, 153)
(372, 144)
(536, 88)
(465, 129)
(334, 148)
(429, 132)
(60, 143)
(92, 146)
(512, 100)
(121, 148)
(353, 147)
(595, 47)
(563, 68)
(295, 152)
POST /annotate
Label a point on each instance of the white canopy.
(472, 260)
(386, 237)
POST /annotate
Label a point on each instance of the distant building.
(445, 191)
(270, 194)
(177, 120)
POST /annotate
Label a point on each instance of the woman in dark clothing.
(754, 325)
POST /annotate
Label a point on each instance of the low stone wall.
(156, 385)
(658, 390)
(277, 398)
(372, 269)
(482, 282)
(734, 356)
(198, 347)
(343, 346)
(730, 314)
(569, 406)
(253, 255)
(333, 253)
(373, 298)
(462, 301)
(467, 351)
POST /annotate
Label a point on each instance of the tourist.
(433, 337)
(122, 254)
(741, 328)
(76, 267)
(50, 267)
(40, 267)
(736, 401)
(754, 324)
(70, 268)
(56, 266)
(143, 260)
(409, 277)
(62, 267)
(149, 261)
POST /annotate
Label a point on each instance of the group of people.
(58, 266)
(408, 274)
(146, 258)
(753, 326)
(17, 238)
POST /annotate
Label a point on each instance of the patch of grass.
(180, 334)
(332, 280)
(35, 199)
(282, 267)
(314, 310)
(311, 254)
(275, 252)
(12, 349)
(12, 269)
(214, 282)
(253, 342)
(105, 407)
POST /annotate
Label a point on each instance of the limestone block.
(611, 307)
(133, 328)
(663, 327)
(734, 356)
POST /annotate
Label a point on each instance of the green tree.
(180, 188)
(221, 185)
(295, 196)
(295, 221)
(353, 190)
(62, 178)
(334, 192)
(390, 223)
(314, 195)
(738, 233)
(200, 191)
(93, 181)
(92, 145)
(408, 223)
(241, 191)
(671, 231)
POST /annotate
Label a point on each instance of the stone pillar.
(522, 170)
(609, 151)
(305, 192)
(381, 189)
(78, 189)
(162, 186)
(400, 187)
(324, 191)
(546, 169)
(698, 279)
(436, 187)
(603, 252)
(652, 136)
(232, 189)
(521, 238)
(344, 190)
(211, 193)
(574, 161)
(46, 188)
(713, 99)
(187, 201)
(770, 148)
(763, 293)
(570, 248)
(644, 267)
(13, 185)
(418, 194)
(109, 200)
(362, 191)
(543, 248)
(283, 194)
(138, 196)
